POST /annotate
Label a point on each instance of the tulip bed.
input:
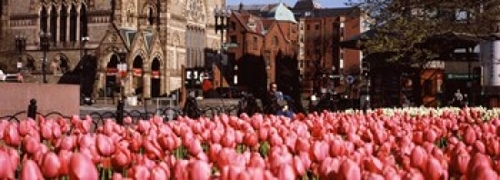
(419, 143)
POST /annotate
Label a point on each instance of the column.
(78, 37)
(147, 84)
(58, 33)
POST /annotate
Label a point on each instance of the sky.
(324, 3)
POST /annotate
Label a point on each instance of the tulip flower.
(81, 167)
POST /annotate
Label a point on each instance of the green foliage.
(264, 148)
(241, 148)
(442, 143)
(402, 26)
(181, 152)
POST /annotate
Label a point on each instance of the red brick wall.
(15, 97)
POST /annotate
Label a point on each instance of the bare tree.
(403, 26)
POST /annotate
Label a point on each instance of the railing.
(191, 109)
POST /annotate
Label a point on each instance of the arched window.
(83, 21)
(150, 16)
(53, 23)
(275, 41)
(73, 16)
(63, 23)
(43, 19)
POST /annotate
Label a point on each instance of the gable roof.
(281, 13)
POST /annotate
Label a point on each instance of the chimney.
(241, 7)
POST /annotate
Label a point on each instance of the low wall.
(15, 97)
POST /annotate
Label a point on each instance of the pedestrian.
(458, 98)
(20, 78)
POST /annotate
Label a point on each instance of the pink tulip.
(31, 145)
(418, 157)
(64, 157)
(195, 147)
(349, 170)
(7, 170)
(199, 170)
(30, 171)
(104, 145)
(469, 136)
(67, 143)
(51, 165)
(286, 171)
(141, 172)
(180, 170)
(11, 136)
(24, 127)
(319, 150)
(81, 167)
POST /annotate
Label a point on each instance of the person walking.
(458, 98)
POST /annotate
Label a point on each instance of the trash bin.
(132, 100)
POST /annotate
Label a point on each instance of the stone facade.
(156, 37)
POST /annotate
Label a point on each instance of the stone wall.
(15, 97)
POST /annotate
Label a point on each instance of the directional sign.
(229, 45)
(350, 79)
(335, 76)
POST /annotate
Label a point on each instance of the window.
(83, 21)
(72, 23)
(43, 20)
(233, 39)
(316, 26)
(53, 23)
(63, 23)
(56, 23)
(308, 27)
(275, 41)
(255, 45)
(233, 25)
(150, 16)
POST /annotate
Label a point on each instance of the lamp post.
(44, 45)
(82, 54)
(20, 46)
(222, 16)
(122, 74)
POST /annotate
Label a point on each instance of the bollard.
(119, 112)
(32, 109)
(191, 108)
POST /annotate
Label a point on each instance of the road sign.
(335, 76)
(229, 45)
(350, 79)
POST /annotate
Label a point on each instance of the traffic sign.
(229, 45)
(350, 79)
(335, 76)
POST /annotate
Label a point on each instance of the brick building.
(312, 41)
(267, 45)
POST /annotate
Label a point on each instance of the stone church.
(155, 38)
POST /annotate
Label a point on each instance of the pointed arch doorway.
(111, 72)
(138, 79)
(155, 78)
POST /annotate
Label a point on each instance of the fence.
(191, 109)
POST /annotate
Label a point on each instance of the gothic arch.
(138, 53)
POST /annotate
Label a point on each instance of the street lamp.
(122, 74)
(20, 46)
(222, 16)
(82, 54)
(44, 45)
